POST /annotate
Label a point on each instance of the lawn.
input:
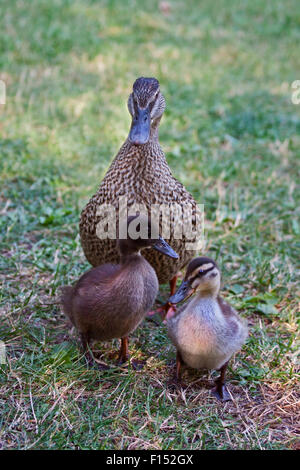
(231, 135)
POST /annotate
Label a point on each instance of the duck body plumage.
(110, 301)
(207, 331)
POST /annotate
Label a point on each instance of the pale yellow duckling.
(206, 330)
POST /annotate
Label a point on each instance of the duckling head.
(139, 235)
(203, 276)
(146, 105)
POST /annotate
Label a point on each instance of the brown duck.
(141, 173)
(111, 300)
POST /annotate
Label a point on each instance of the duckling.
(206, 331)
(111, 300)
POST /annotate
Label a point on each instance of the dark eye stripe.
(202, 273)
(209, 269)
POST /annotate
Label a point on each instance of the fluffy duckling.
(111, 300)
(206, 331)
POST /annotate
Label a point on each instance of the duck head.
(139, 236)
(202, 275)
(146, 105)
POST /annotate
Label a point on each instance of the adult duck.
(140, 173)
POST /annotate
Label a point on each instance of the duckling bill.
(111, 300)
(206, 330)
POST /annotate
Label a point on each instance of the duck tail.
(66, 294)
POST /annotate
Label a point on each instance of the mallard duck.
(206, 330)
(111, 300)
(141, 173)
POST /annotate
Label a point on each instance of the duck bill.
(184, 291)
(162, 246)
(140, 128)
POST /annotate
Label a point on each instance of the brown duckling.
(206, 330)
(111, 300)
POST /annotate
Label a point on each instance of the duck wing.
(237, 326)
(227, 310)
(86, 288)
(96, 276)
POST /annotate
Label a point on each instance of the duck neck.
(143, 160)
(208, 294)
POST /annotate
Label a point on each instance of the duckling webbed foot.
(175, 385)
(220, 391)
(137, 364)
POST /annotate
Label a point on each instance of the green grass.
(231, 135)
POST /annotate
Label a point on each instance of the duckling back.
(110, 301)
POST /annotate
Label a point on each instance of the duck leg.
(175, 381)
(85, 340)
(179, 363)
(124, 355)
(220, 391)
